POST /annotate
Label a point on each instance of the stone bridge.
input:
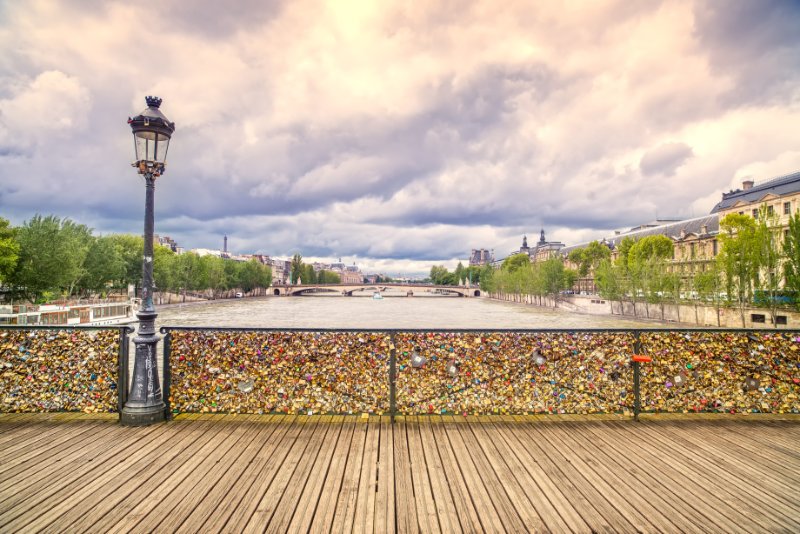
(347, 290)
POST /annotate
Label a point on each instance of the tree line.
(47, 258)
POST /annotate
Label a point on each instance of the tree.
(130, 249)
(440, 276)
(486, 279)
(102, 267)
(165, 269)
(610, 281)
(768, 259)
(250, 275)
(708, 286)
(737, 259)
(329, 277)
(791, 252)
(459, 273)
(553, 278)
(297, 268)
(51, 257)
(646, 261)
(588, 258)
(516, 261)
(9, 250)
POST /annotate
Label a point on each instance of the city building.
(481, 256)
(544, 250)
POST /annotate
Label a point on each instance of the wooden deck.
(76, 473)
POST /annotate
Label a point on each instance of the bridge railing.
(53, 369)
(480, 371)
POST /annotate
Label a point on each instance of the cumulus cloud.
(397, 135)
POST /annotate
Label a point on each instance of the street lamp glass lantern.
(151, 133)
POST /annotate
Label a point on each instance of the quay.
(73, 472)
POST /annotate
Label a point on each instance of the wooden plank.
(511, 476)
(201, 483)
(466, 509)
(709, 481)
(34, 465)
(501, 492)
(424, 500)
(404, 498)
(345, 513)
(750, 487)
(292, 428)
(207, 453)
(385, 511)
(308, 438)
(238, 481)
(111, 498)
(629, 503)
(639, 461)
(307, 504)
(549, 493)
(588, 502)
(441, 496)
(28, 504)
(364, 520)
(491, 519)
(333, 492)
(735, 467)
(29, 452)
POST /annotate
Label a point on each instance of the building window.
(787, 208)
(741, 213)
(758, 318)
(755, 214)
(770, 210)
(714, 247)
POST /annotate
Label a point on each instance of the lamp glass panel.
(151, 146)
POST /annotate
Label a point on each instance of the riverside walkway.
(63, 472)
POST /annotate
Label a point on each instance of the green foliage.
(102, 267)
(515, 262)
(791, 252)
(737, 259)
(441, 276)
(588, 258)
(297, 268)
(9, 249)
(610, 280)
(129, 249)
(328, 277)
(52, 256)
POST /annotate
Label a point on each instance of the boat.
(377, 296)
(83, 314)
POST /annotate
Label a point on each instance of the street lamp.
(151, 133)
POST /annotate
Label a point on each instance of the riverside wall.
(684, 314)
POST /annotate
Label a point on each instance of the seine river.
(391, 312)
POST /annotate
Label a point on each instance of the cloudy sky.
(395, 135)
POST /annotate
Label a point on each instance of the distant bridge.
(347, 290)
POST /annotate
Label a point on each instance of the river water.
(328, 312)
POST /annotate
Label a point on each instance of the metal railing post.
(392, 379)
(122, 369)
(167, 375)
(637, 394)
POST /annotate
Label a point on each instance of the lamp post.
(151, 133)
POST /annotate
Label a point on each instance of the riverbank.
(668, 314)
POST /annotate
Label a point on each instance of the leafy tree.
(610, 281)
(250, 276)
(486, 279)
(459, 273)
(215, 275)
(9, 249)
(441, 276)
(309, 276)
(51, 257)
(516, 261)
(165, 269)
(297, 268)
(553, 278)
(768, 259)
(791, 252)
(737, 259)
(130, 249)
(102, 267)
(708, 285)
(588, 258)
(329, 277)
(646, 262)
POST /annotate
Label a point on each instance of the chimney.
(747, 184)
(704, 229)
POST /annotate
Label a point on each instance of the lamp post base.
(145, 404)
(144, 416)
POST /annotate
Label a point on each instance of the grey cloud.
(757, 43)
(665, 159)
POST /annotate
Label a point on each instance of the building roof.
(673, 230)
(782, 185)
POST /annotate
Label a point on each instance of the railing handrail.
(167, 328)
(129, 328)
